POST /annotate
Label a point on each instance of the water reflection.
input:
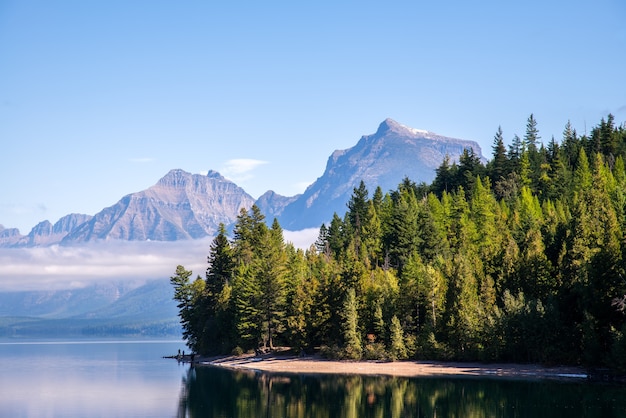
(217, 392)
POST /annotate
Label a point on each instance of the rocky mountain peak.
(382, 159)
(175, 177)
(180, 206)
(212, 174)
(391, 126)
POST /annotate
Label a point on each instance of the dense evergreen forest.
(520, 259)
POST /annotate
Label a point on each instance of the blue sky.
(99, 99)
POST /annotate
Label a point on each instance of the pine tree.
(221, 263)
(497, 168)
(357, 207)
(187, 294)
(515, 154)
(571, 145)
(373, 236)
(398, 349)
(252, 274)
(321, 244)
(445, 177)
(531, 138)
(403, 236)
(246, 297)
(215, 302)
(351, 336)
(270, 277)
(470, 166)
(336, 236)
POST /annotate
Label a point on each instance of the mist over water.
(69, 267)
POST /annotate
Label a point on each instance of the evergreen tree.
(571, 145)
(446, 177)
(531, 138)
(351, 335)
(515, 154)
(398, 349)
(498, 167)
(336, 236)
(373, 236)
(215, 302)
(301, 288)
(377, 199)
(221, 264)
(252, 247)
(270, 277)
(470, 166)
(246, 297)
(187, 294)
(403, 236)
(321, 244)
(357, 207)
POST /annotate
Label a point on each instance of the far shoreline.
(317, 365)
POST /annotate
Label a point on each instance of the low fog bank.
(72, 267)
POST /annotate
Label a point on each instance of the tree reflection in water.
(218, 392)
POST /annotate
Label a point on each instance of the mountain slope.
(382, 159)
(109, 309)
(180, 206)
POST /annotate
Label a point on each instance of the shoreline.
(406, 368)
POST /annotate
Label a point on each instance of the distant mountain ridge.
(191, 206)
(180, 206)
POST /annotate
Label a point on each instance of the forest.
(517, 259)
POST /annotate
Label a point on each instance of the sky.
(99, 99)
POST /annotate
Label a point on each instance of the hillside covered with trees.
(521, 260)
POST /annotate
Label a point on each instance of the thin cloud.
(302, 239)
(67, 267)
(239, 168)
(70, 267)
(24, 210)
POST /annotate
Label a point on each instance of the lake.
(90, 379)
(131, 379)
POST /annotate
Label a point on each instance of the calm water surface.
(90, 379)
(131, 379)
(215, 392)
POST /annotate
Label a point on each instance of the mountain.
(44, 233)
(190, 206)
(103, 310)
(180, 206)
(55, 304)
(9, 237)
(272, 204)
(382, 159)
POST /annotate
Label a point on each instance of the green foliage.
(352, 345)
(398, 349)
(517, 260)
(188, 294)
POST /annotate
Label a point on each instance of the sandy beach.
(318, 365)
